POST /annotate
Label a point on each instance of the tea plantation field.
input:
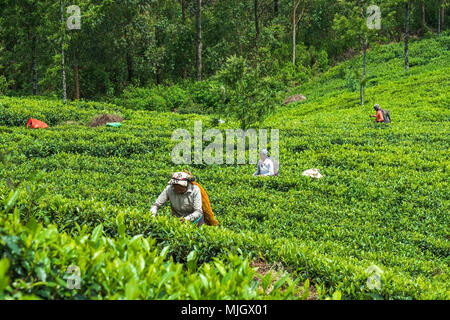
(383, 200)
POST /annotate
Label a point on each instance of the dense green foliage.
(383, 199)
(147, 42)
(237, 91)
(121, 268)
(145, 54)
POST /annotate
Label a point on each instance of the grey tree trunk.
(158, 62)
(442, 18)
(35, 84)
(295, 21)
(423, 17)
(199, 40)
(129, 57)
(407, 36)
(183, 19)
(76, 71)
(363, 79)
(76, 81)
(130, 66)
(294, 31)
(183, 10)
(63, 67)
(76, 68)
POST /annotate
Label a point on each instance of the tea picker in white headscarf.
(265, 165)
(185, 199)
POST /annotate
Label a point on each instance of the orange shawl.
(210, 220)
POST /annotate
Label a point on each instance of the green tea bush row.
(35, 260)
(16, 111)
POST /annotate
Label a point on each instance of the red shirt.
(379, 116)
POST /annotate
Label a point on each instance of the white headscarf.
(180, 178)
(265, 152)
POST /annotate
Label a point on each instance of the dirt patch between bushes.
(103, 119)
(295, 98)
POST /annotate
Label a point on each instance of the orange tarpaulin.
(34, 123)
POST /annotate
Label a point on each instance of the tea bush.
(121, 268)
(15, 112)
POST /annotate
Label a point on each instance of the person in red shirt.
(379, 115)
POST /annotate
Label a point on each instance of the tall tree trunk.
(275, 7)
(183, 10)
(76, 70)
(256, 23)
(199, 40)
(76, 81)
(34, 58)
(63, 67)
(295, 21)
(130, 66)
(442, 17)
(158, 73)
(407, 36)
(294, 27)
(129, 57)
(439, 18)
(363, 79)
(423, 17)
(183, 20)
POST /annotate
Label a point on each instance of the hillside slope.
(383, 199)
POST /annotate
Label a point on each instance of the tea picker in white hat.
(185, 199)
